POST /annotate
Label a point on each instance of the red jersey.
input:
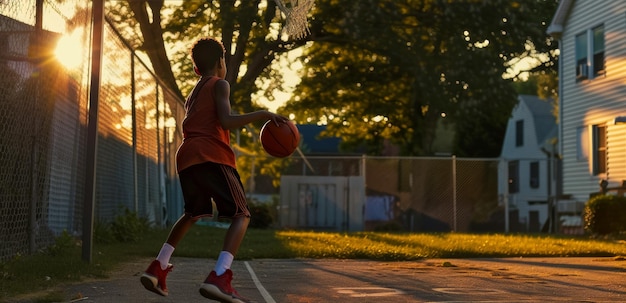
(204, 139)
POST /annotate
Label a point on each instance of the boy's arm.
(232, 121)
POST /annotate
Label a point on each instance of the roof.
(313, 144)
(558, 20)
(545, 122)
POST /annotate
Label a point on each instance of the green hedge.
(605, 214)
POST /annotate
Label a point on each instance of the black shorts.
(202, 182)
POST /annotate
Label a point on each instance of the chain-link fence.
(43, 119)
(426, 194)
(422, 194)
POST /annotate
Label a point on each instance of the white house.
(528, 170)
(592, 92)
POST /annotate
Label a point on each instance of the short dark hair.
(205, 53)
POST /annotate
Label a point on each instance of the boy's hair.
(205, 53)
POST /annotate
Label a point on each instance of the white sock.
(223, 262)
(165, 254)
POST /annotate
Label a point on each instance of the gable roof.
(545, 122)
(558, 20)
(313, 144)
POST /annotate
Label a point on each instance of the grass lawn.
(63, 264)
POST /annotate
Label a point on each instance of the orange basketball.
(279, 141)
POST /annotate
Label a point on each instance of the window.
(599, 149)
(590, 53)
(519, 133)
(582, 71)
(534, 174)
(598, 51)
(513, 177)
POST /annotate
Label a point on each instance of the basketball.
(279, 141)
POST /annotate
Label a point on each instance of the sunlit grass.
(394, 246)
(44, 271)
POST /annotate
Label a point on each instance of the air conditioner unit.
(582, 72)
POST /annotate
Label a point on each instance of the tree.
(392, 69)
(250, 31)
(378, 69)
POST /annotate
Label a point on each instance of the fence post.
(504, 169)
(159, 215)
(32, 220)
(454, 191)
(133, 102)
(92, 129)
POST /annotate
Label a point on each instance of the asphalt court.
(429, 280)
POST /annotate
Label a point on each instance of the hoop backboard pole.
(306, 161)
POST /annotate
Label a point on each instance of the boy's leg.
(217, 285)
(153, 279)
(235, 234)
(230, 200)
(180, 229)
(232, 241)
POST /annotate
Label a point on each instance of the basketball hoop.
(295, 11)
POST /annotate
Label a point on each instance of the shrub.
(605, 214)
(102, 233)
(129, 227)
(389, 226)
(260, 215)
(62, 244)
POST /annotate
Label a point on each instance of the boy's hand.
(278, 119)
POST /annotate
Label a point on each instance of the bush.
(102, 233)
(605, 214)
(62, 244)
(389, 226)
(129, 227)
(260, 215)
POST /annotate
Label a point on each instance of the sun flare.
(69, 51)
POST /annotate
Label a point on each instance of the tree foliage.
(377, 70)
(250, 31)
(393, 69)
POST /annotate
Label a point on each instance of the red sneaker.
(218, 288)
(154, 278)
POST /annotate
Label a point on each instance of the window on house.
(519, 133)
(599, 149)
(582, 70)
(513, 177)
(534, 174)
(598, 51)
(590, 53)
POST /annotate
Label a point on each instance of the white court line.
(266, 295)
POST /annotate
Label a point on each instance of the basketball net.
(296, 11)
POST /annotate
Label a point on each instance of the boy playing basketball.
(206, 167)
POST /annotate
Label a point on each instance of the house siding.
(596, 101)
(527, 199)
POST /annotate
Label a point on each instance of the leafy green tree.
(377, 70)
(393, 69)
(250, 30)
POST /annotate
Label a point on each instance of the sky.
(289, 66)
